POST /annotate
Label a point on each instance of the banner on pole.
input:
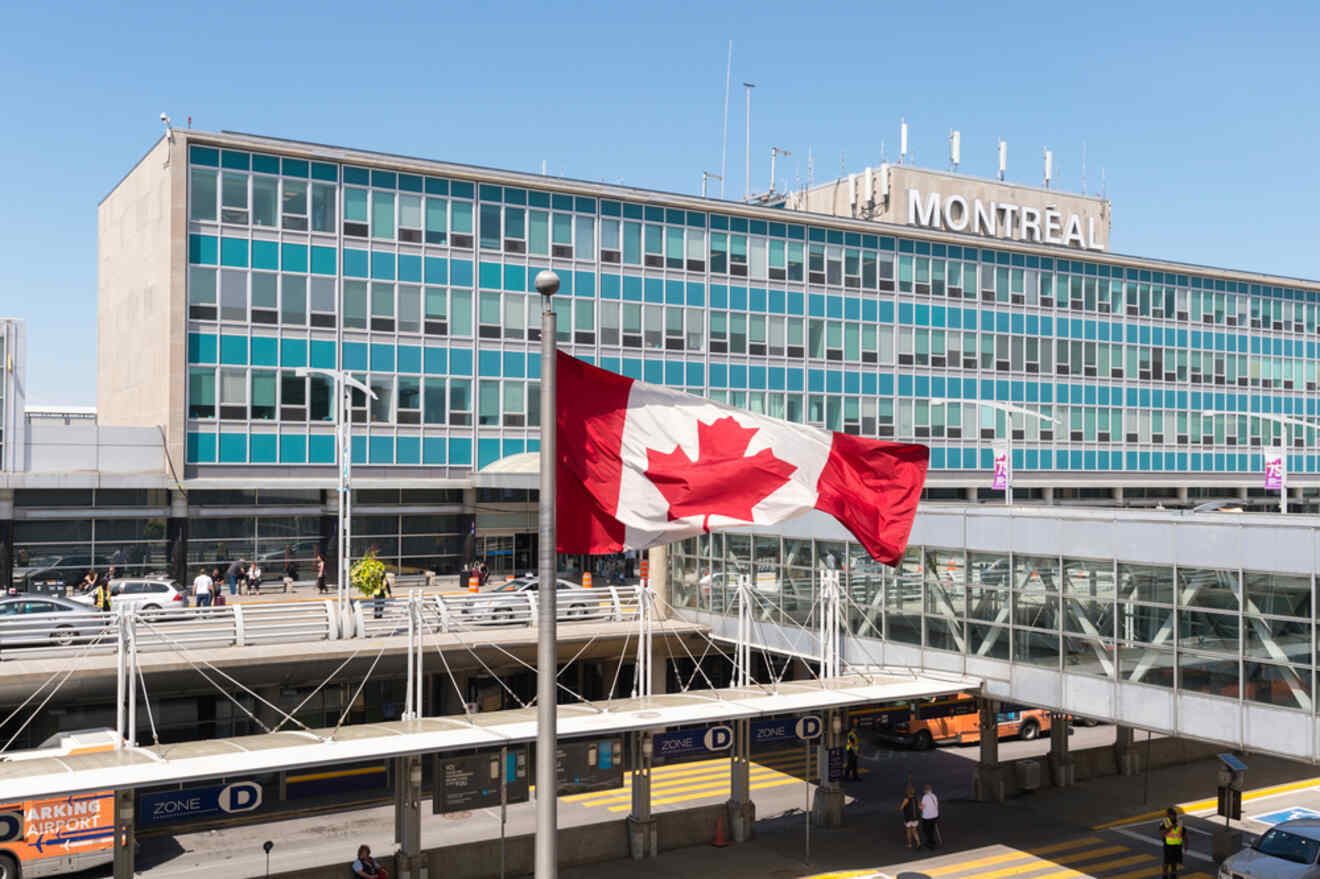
(1003, 470)
(1274, 470)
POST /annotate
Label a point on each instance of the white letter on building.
(1090, 228)
(923, 215)
(958, 222)
(1010, 213)
(1053, 226)
(1075, 231)
(983, 222)
(1030, 224)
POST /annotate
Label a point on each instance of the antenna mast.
(724, 143)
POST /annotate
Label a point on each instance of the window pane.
(355, 305)
(382, 214)
(263, 394)
(264, 201)
(201, 285)
(382, 405)
(295, 197)
(490, 226)
(233, 295)
(437, 215)
(382, 300)
(410, 308)
(460, 218)
(489, 402)
(460, 305)
(203, 194)
(355, 205)
(434, 401)
(323, 207)
(538, 232)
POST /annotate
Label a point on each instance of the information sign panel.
(701, 741)
(584, 766)
(472, 781)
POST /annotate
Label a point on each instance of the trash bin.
(1028, 774)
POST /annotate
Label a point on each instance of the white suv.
(143, 593)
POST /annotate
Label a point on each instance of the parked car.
(502, 605)
(54, 574)
(1286, 851)
(144, 593)
(29, 619)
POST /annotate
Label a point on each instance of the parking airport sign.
(698, 741)
(1280, 815)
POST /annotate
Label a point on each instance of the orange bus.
(945, 720)
(63, 834)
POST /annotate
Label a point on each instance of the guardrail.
(237, 625)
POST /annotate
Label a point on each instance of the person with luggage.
(203, 586)
(911, 811)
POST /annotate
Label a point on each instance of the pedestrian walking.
(320, 574)
(1171, 830)
(202, 588)
(930, 817)
(911, 811)
(231, 576)
(850, 756)
(379, 594)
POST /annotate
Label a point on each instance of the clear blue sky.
(1201, 114)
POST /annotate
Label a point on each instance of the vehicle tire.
(62, 636)
(8, 867)
(1029, 730)
(151, 607)
(923, 741)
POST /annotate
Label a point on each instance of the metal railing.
(280, 622)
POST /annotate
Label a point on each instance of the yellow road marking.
(1013, 856)
(666, 800)
(702, 783)
(1037, 863)
(1091, 868)
(1153, 870)
(317, 776)
(1199, 805)
(691, 772)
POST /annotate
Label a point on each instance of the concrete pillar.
(408, 817)
(1047, 494)
(643, 841)
(1062, 770)
(660, 667)
(1180, 492)
(659, 580)
(827, 808)
(124, 830)
(990, 778)
(742, 811)
(1126, 758)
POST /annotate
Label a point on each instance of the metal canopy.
(272, 752)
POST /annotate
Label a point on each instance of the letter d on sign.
(241, 796)
(718, 738)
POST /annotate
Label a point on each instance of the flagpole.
(547, 819)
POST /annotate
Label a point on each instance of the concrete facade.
(13, 388)
(141, 266)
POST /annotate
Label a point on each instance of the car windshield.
(1288, 846)
(515, 585)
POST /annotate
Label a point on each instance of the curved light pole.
(1283, 448)
(343, 383)
(1011, 410)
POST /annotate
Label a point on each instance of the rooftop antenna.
(884, 156)
(169, 135)
(706, 175)
(747, 146)
(811, 168)
(955, 148)
(902, 139)
(1102, 181)
(724, 143)
(1083, 167)
(1049, 166)
(1003, 158)
(544, 172)
(775, 151)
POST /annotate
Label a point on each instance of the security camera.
(165, 119)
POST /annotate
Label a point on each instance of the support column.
(1127, 761)
(659, 666)
(264, 712)
(742, 811)
(408, 817)
(1062, 770)
(990, 780)
(124, 828)
(328, 545)
(7, 539)
(658, 577)
(643, 841)
(827, 807)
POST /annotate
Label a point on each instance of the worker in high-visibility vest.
(1171, 830)
(101, 597)
(850, 756)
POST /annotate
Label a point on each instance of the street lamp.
(343, 383)
(1011, 410)
(1283, 448)
(546, 859)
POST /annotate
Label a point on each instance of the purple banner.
(1274, 471)
(1002, 470)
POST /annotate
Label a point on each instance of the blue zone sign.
(190, 804)
(689, 742)
(785, 730)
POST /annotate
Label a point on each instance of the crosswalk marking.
(778, 782)
(1012, 856)
(1037, 863)
(1071, 873)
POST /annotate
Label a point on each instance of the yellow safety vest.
(1172, 832)
(102, 598)
(852, 741)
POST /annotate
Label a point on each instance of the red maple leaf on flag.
(724, 480)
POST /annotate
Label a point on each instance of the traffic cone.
(719, 841)
(472, 585)
(586, 579)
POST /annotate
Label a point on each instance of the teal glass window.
(233, 295)
(460, 401)
(585, 240)
(201, 286)
(293, 299)
(795, 261)
(382, 306)
(437, 218)
(538, 233)
(382, 214)
(460, 305)
(323, 207)
(204, 193)
(632, 243)
(355, 205)
(460, 218)
(410, 218)
(234, 198)
(409, 399)
(719, 253)
(488, 403)
(562, 234)
(201, 392)
(433, 401)
(354, 310)
(490, 227)
(264, 200)
(263, 395)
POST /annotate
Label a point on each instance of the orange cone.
(472, 585)
(586, 579)
(719, 841)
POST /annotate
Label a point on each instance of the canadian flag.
(641, 465)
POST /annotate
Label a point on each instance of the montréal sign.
(998, 219)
